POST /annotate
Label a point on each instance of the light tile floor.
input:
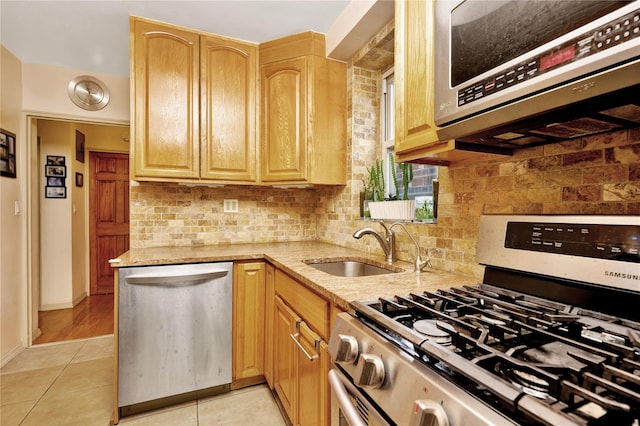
(71, 383)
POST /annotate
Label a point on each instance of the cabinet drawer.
(313, 308)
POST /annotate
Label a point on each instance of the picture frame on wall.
(55, 160)
(55, 171)
(7, 154)
(55, 192)
(79, 179)
(79, 146)
(55, 181)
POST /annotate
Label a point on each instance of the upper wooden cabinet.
(228, 117)
(415, 129)
(303, 112)
(194, 100)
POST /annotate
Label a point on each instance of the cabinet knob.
(428, 413)
(370, 371)
(344, 349)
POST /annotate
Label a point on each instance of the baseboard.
(79, 298)
(10, 355)
(35, 334)
(56, 306)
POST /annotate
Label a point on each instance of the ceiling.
(93, 35)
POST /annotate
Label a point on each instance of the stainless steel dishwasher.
(174, 332)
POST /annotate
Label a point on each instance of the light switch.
(17, 210)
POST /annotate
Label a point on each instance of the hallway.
(92, 317)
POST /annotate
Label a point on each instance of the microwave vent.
(576, 128)
(629, 112)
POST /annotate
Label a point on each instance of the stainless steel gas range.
(551, 336)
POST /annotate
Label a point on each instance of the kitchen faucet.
(418, 264)
(388, 242)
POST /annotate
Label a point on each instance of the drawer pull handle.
(294, 337)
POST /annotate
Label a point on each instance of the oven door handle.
(342, 395)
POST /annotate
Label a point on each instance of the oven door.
(349, 406)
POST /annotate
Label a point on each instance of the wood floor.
(90, 318)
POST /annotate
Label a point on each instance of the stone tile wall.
(173, 215)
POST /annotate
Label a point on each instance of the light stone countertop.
(290, 257)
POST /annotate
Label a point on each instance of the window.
(421, 188)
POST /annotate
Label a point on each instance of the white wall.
(55, 220)
(45, 91)
(13, 299)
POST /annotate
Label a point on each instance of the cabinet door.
(312, 378)
(270, 276)
(248, 321)
(284, 125)
(414, 124)
(165, 101)
(285, 357)
(229, 78)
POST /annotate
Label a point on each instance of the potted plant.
(391, 207)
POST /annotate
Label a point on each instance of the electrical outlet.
(230, 206)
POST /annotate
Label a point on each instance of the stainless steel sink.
(349, 268)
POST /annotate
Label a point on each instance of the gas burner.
(529, 383)
(434, 330)
(561, 355)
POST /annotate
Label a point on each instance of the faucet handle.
(420, 264)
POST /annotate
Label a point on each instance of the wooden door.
(109, 216)
(165, 101)
(228, 82)
(284, 121)
(248, 323)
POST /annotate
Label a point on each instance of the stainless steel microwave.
(516, 73)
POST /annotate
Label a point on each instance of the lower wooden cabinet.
(300, 358)
(270, 277)
(301, 366)
(248, 323)
(285, 381)
(313, 385)
(280, 329)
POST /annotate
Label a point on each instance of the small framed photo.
(55, 192)
(7, 154)
(55, 181)
(55, 171)
(79, 179)
(55, 160)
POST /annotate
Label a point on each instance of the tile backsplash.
(173, 215)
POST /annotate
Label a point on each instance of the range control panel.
(614, 242)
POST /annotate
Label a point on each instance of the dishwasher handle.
(185, 278)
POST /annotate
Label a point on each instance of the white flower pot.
(393, 210)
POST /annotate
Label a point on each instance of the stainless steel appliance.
(174, 332)
(551, 336)
(512, 73)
